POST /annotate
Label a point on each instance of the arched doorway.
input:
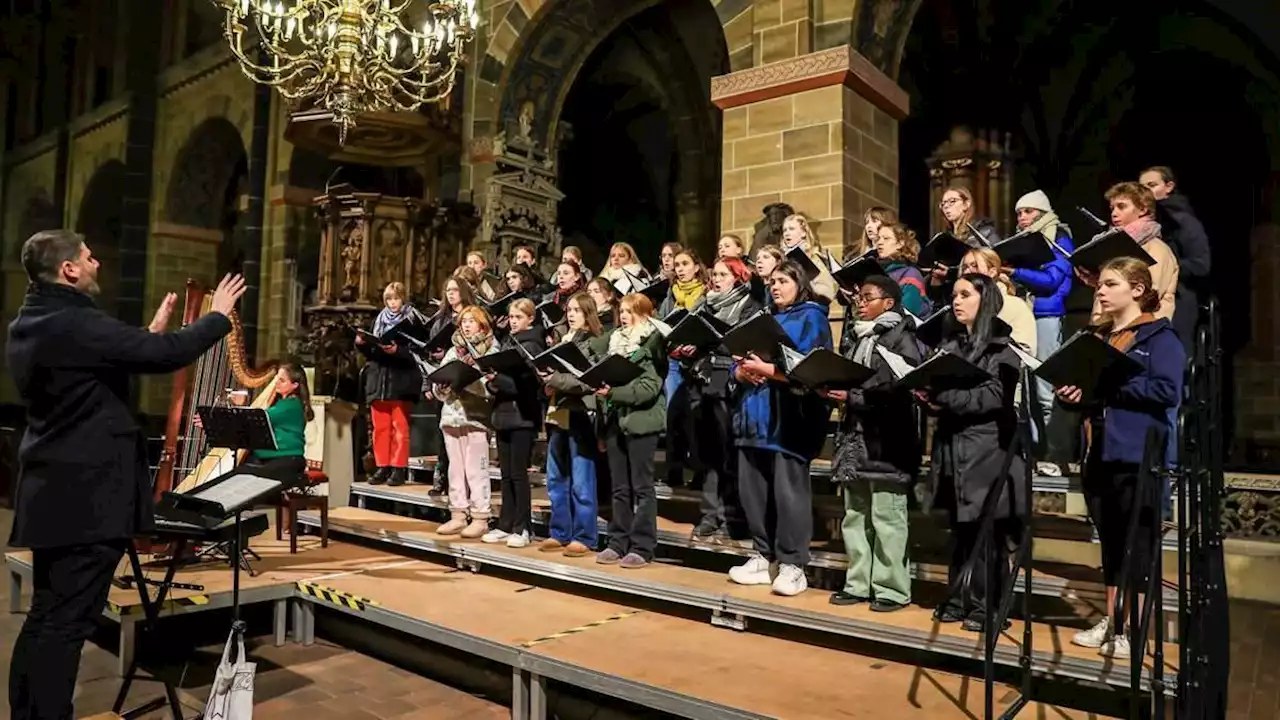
(1093, 100)
(98, 220)
(209, 176)
(628, 118)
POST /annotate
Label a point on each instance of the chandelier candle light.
(352, 56)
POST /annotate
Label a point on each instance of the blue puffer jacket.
(1052, 282)
(1145, 400)
(773, 416)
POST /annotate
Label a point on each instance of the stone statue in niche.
(391, 246)
(525, 121)
(352, 250)
(768, 229)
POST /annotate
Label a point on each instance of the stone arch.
(205, 169)
(675, 47)
(99, 221)
(38, 214)
(562, 36)
(879, 31)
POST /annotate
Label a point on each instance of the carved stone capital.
(838, 66)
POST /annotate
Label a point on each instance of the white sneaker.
(755, 571)
(1094, 636)
(518, 540)
(495, 536)
(790, 581)
(1048, 469)
(1118, 648)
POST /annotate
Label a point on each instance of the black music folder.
(655, 290)
(824, 369)
(929, 331)
(510, 361)
(407, 332)
(760, 334)
(942, 249)
(1086, 361)
(565, 357)
(675, 317)
(699, 330)
(1094, 220)
(1115, 243)
(550, 312)
(439, 340)
(944, 371)
(455, 374)
(613, 371)
(852, 274)
(502, 305)
(1024, 250)
(801, 258)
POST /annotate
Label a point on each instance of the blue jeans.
(1044, 431)
(571, 480)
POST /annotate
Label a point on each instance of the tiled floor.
(321, 682)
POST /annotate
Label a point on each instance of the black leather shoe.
(844, 598)
(885, 606)
(947, 615)
(398, 477)
(975, 623)
(380, 476)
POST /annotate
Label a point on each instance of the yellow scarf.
(687, 293)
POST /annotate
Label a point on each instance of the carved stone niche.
(982, 163)
(368, 240)
(521, 202)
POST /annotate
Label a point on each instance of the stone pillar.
(817, 131)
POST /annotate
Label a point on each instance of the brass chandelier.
(352, 56)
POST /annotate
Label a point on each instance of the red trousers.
(390, 433)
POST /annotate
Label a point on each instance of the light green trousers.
(875, 529)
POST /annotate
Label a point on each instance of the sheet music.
(663, 328)
(898, 365)
(1027, 358)
(237, 491)
(791, 358)
(568, 366)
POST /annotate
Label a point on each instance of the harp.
(183, 462)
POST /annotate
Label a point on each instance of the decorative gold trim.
(838, 65)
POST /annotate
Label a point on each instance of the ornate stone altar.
(522, 198)
(983, 163)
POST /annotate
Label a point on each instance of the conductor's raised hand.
(228, 294)
(163, 313)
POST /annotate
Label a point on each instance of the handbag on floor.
(231, 697)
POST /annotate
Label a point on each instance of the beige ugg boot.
(456, 523)
(477, 528)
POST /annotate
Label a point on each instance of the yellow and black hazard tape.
(580, 629)
(170, 604)
(336, 597)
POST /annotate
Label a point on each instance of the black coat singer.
(84, 475)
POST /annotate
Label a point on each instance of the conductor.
(83, 490)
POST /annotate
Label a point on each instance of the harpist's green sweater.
(289, 422)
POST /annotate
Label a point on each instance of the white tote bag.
(232, 695)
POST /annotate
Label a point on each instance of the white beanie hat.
(1034, 200)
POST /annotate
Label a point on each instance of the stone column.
(818, 131)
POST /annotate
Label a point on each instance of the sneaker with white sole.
(1048, 469)
(495, 536)
(790, 581)
(1095, 636)
(1117, 649)
(755, 571)
(518, 540)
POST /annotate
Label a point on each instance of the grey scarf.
(867, 330)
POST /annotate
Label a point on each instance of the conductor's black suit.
(84, 489)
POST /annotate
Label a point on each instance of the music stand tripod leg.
(151, 615)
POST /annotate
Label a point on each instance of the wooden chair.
(301, 498)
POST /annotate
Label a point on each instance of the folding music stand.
(207, 506)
